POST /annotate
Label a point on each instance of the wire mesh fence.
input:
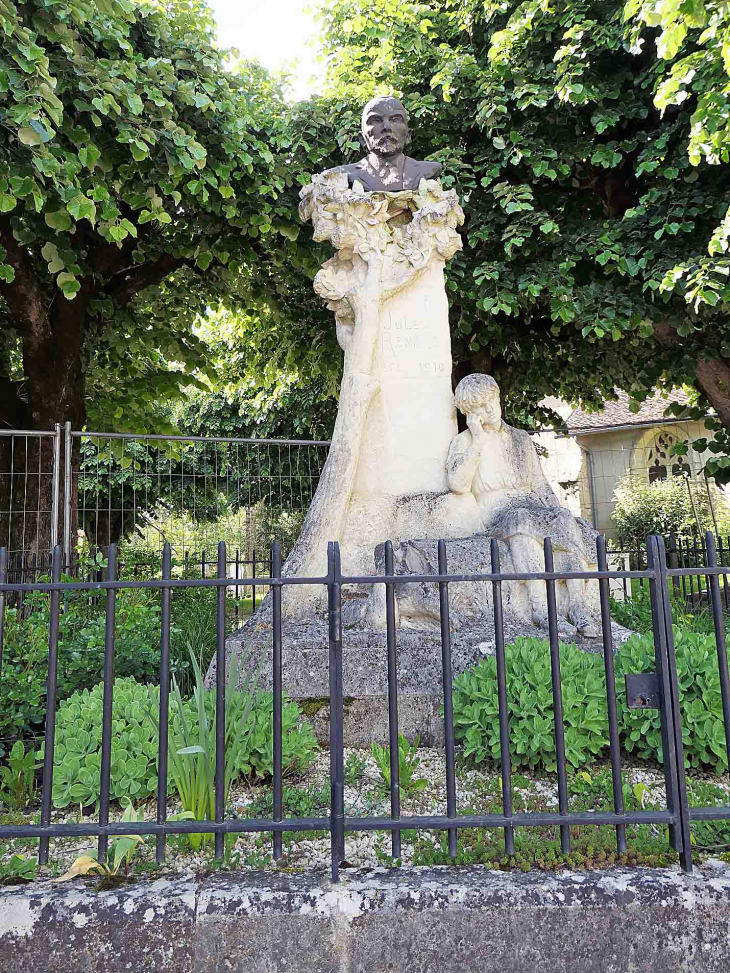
(88, 490)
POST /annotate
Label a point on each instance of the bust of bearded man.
(385, 134)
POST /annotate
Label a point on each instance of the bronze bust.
(386, 168)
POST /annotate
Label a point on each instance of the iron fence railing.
(682, 552)
(665, 696)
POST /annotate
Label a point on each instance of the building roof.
(617, 414)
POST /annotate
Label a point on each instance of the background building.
(586, 463)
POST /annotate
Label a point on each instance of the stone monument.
(385, 475)
(399, 470)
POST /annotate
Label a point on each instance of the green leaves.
(69, 285)
(703, 732)
(249, 746)
(532, 739)
(35, 133)
(80, 207)
(409, 764)
(476, 712)
(59, 220)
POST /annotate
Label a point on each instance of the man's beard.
(387, 147)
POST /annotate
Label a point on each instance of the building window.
(660, 460)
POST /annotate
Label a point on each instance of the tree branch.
(128, 283)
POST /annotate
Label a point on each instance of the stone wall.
(443, 920)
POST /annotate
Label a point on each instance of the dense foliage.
(703, 729)
(82, 629)
(582, 202)
(476, 713)
(77, 752)
(532, 740)
(129, 153)
(80, 653)
(146, 182)
(671, 506)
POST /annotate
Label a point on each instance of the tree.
(136, 179)
(580, 197)
(125, 485)
(694, 45)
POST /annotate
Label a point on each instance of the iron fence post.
(672, 747)
(3, 580)
(720, 640)
(67, 484)
(395, 837)
(277, 691)
(55, 484)
(337, 771)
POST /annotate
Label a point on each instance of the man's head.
(479, 395)
(384, 126)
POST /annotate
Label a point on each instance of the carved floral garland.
(401, 231)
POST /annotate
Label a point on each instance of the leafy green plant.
(408, 766)
(256, 748)
(17, 779)
(17, 869)
(77, 753)
(476, 713)
(82, 628)
(192, 765)
(703, 733)
(119, 853)
(354, 770)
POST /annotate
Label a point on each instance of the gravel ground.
(364, 796)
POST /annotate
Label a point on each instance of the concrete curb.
(441, 920)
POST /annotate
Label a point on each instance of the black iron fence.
(659, 690)
(682, 552)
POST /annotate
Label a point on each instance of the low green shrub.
(82, 629)
(703, 733)
(476, 713)
(532, 740)
(299, 745)
(664, 507)
(77, 755)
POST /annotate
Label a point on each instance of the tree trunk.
(53, 392)
(712, 375)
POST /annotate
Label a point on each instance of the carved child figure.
(499, 465)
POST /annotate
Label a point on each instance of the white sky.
(274, 32)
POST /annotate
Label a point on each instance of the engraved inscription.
(408, 348)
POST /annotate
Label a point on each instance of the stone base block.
(305, 663)
(366, 719)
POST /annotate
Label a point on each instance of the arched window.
(654, 452)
